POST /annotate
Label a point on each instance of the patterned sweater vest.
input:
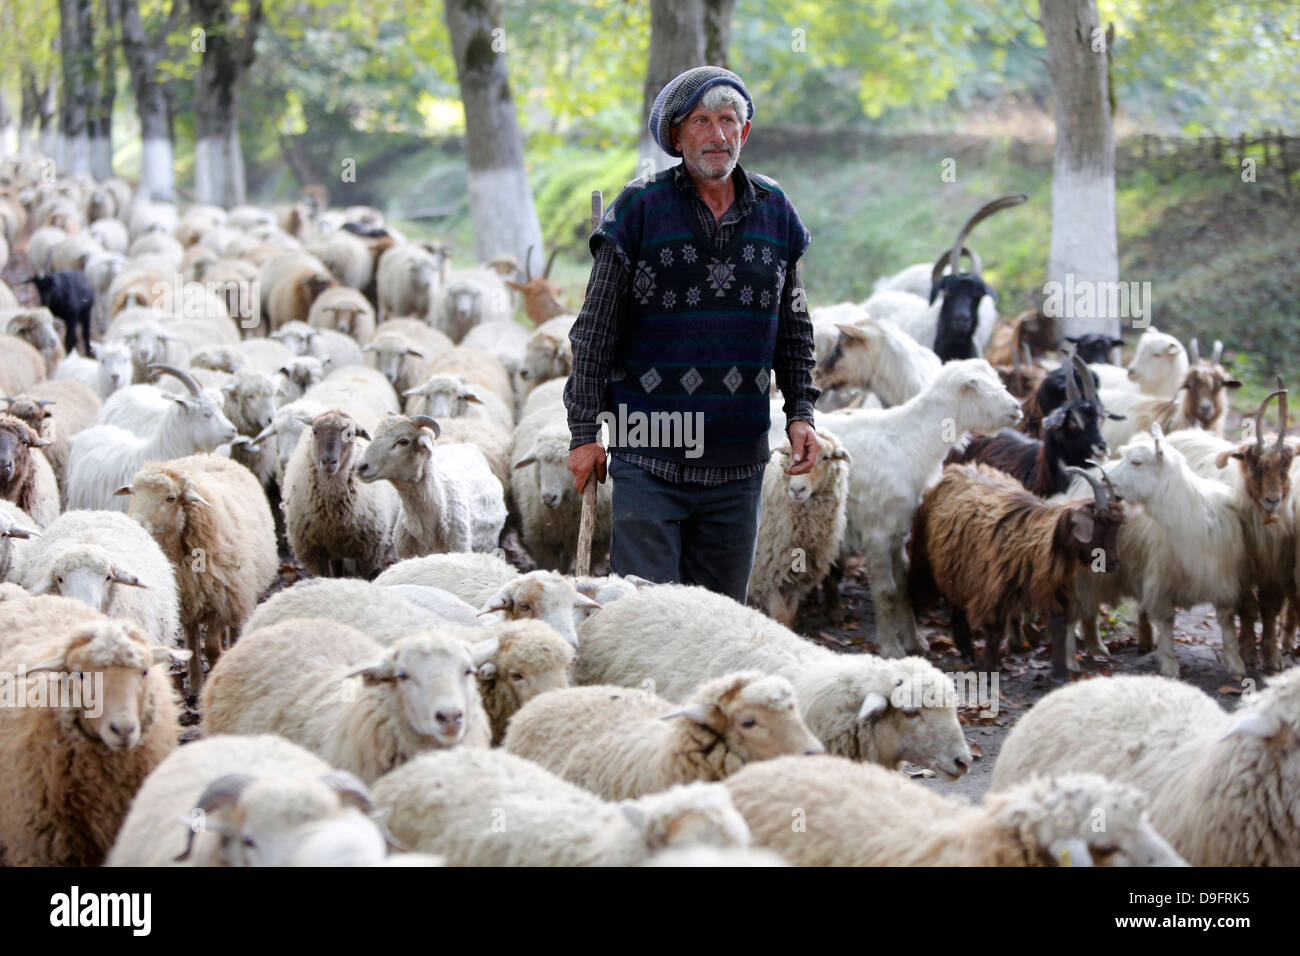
(696, 343)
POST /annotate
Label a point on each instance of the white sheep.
(443, 605)
(859, 706)
(344, 310)
(36, 327)
(109, 563)
(897, 453)
(470, 297)
(331, 514)
(377, 611)
(334, 349)
(507, 340)
(104, 458)
(445, 396)
(801, 530)
(548, 354)
(549, 396)
(73, 766)
(407, 280)
(242, 801)
(347, 256)
(104, 374)
(404, 350)
(542, 486)
(16, 531)
(471, 576)
(852, 814)
(529, 659)
(451, 501)
(621, 743)
(1220, 786)
(362, 707)
(453, 803)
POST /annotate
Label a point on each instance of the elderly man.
(694, 296)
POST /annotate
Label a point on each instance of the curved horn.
(185, 377)
(984, 211)
(550, 262)
(1099, 496)
(1194, 352)
(1085, 376)
(1281, 412)
(220, 793)
(1105, 479)
(1015, 359)
(944, 259)
(1259, 418)
(1071, 387)
(1217, 354)
(528, 264)
(424, 421)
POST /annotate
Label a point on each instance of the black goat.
(1071, 436)
(1094, 348)
(69, 296)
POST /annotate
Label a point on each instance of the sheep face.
(30, 412)
(832, 459)
(297, 376)
(88, 574)
(917, 722)
(527, 664)
(544, 596)
(982, 403)
(690, 814)
(264, 822)
(446, 396)
(115, 365)
(432, 680)
(250, 399)
(16, 440)
(545, 358)
(334, 439)
(552, 475)
(158, 503)
(295, 336)
(400, 451)
(37, 327)
(123, 655)
(757, 715)
(390, 353)
(1081, 820)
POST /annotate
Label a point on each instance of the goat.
(542, 297)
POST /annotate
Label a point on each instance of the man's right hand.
(585, 459)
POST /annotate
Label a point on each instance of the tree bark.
(101, 127)
(76, 53)
(143, 53)
(29, 112)
(500, 198)
(6, 126)
(218, 159)
(1084, 251)
(48, 107)
(676, 45)
(717, 30)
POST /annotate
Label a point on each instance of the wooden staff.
(587, 524)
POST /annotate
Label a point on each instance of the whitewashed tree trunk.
(142, 54)
(500, 199)
(29, 113)
(49, 138)
(219, 170)
(1084, 251)
(218, 160)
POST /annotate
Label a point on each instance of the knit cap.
(681, 96)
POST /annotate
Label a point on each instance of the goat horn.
(185, 377)
(1259, 417)
(550, 262)
(1281, 412)
(1217, 354)
(1105, 478)
(1194, 353)
(1085, 376)
(1099, 496)
(944, 259)
(528, 265)
(1015, 359)
(1071, 387)
(424, 421)
(984, 211)
(220, 793)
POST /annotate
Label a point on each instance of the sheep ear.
(841, 454)
(469, 395)
(525, 461)
(697, 713)
(415, 353)
(352, 792)
(361, 433)
(480, 651)
(487, 670)
(124, 490)
(37, 442)
(53, 664)
(1255, 724)
(635, 816)
(128, 579)
(873, 705)
(373, 673)
(161, 654)
(1071, 851)
(584, 601)
(637, 581)
(1083, 526)
(196, 498)
(503, 600)
(16, 532)
(854, 332)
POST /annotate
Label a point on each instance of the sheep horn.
(944, 259)
(1217, 354)
(1194, 352)
(1098, 490)
(1071, 386)
(424, 421)
(550, 262)
(185, 377)
(528, 264)
(984, 211)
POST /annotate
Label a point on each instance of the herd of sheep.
(240, 388)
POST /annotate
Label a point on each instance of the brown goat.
(1030, 329)
(995, 551)
(26, 479)
(1021, 377)
(1202, 404)
(541, 295)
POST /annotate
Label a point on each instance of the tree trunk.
(142, 54)
(500, 199)
(218, 160)
(7, 146)
(717, 31)
(48, 107)
(76, 52)
(676, 45)
(101, 129)
(29, 115)
(1084, 261)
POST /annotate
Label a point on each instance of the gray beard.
(701, 173)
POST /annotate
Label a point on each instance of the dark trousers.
(682, 533)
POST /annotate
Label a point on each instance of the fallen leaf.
(1230, 689)
(976, 751)
(920, 773)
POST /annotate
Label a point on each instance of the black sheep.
(70, 297)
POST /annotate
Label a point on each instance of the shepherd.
(693, 304)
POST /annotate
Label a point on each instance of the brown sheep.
(212, 521)
(996, 551)
(37, 328)
(346, 310)
(26, 479)
(293, 293)
(56, 409)
(21, 365)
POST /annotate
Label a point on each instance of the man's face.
(710, 142)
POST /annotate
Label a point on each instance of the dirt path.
(1026, 676)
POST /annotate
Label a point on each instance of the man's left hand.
(803, 448)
